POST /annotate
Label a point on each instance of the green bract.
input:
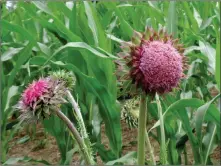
(67, 77)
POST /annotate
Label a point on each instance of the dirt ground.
(46, 149)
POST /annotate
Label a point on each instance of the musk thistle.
(153, 61)
(40, 98)
(44, 97)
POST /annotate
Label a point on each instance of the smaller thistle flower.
(34, 91)
(67, 77)
(40, 98)
(153, 61)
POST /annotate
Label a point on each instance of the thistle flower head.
(40, 98)
(34, 91)
(153, 61)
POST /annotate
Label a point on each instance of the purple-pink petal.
(161, 65)
(34, 91)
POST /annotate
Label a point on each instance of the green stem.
(76, 135)
(78, 112)
(142, 130)
(81, 124)
(162, 132)
(153, 162)
(194, 143)
(75, 106)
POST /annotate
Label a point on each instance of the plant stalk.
(78, 112)
(153, 162)
(76, 135)
(142, 130)
(162, 132)
(81, 124)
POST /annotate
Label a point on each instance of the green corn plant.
(84, 38)
(53, 29)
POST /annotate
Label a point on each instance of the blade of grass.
(23, 57)
(91, 22)
(190, 16)
(217, 65)
(172, 19)
(16, 28)
(163, 150)
(209, 148)
(200, 116)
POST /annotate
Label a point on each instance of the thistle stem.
(78, 112)
(81, 124)
(142, 130)
(153, 162)
(76, 135)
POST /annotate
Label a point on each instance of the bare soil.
(45, 148)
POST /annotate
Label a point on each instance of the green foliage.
(83, 38)
(129, 159)
(14, 160)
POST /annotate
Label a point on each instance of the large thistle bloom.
(154, 61)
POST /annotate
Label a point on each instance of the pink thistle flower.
(41, 98)
(34, 92)
(153, 61)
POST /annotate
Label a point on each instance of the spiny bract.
(67, 77)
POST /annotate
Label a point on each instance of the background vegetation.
(84, 37)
